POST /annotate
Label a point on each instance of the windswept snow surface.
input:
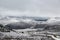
(14, 34)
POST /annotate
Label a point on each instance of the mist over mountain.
(29, 19)
(24, 22)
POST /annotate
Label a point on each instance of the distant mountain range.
(10, 19)
(16, 22)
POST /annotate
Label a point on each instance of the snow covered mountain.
(11, 19)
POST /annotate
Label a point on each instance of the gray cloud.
(30, 7)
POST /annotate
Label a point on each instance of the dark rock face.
(39, 26)
(24, 25)
(1, 25)
(52, 27)
(18, 25)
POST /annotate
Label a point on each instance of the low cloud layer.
(30, 7)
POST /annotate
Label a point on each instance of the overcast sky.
(30, 7)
